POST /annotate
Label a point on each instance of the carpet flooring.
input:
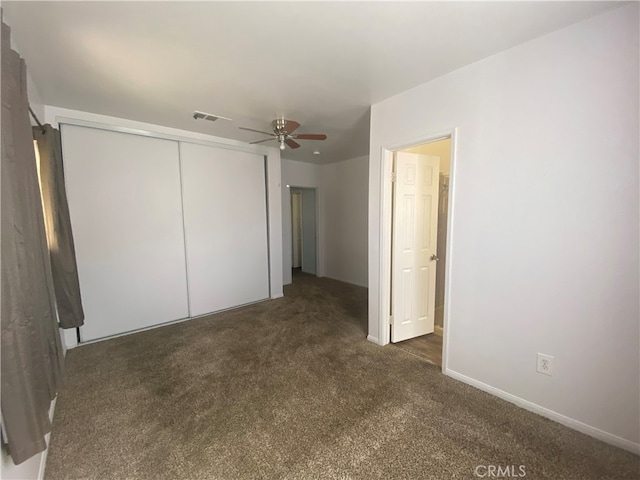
(291, 389)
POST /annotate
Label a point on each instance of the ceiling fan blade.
(291, 143)
(257, 131)
(310, 136)
(284, 125)
(260, 141)
(290, 126)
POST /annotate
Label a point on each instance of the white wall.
(342, 192)
(345, 187)
(299, 174)
(35, 101)
(544, 234)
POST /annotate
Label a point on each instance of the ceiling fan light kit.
(283, 134)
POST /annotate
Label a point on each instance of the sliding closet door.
(126, 214)
(225, 220)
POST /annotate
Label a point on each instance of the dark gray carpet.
(291, 389)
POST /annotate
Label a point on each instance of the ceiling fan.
(282, 132)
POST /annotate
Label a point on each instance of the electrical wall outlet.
(545, 364)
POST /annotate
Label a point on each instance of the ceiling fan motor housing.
(279, 124)
(284, 126)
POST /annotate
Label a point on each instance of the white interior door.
(415, 228)
(126, 214)
(225, 223)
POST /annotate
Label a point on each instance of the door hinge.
(390, 320)
(393, 176)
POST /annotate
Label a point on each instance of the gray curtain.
(58, 227)
(30, 339)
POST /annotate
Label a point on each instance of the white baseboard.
(171, 322)
(43, 461)
(43, 456)
(277, 295)
(373, 339)
(438, 330)
(350, 282)
(550, 414)
(69, 338)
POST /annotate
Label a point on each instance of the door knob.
(434, 257)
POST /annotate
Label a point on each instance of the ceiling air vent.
(208, 116)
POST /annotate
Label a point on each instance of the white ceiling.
(322, 64)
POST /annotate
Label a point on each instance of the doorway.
(304, 230)
(420, 198)
(296, 230)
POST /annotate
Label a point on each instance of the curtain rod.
(36, 119)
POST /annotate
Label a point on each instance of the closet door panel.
(126, 213)
(225, 220)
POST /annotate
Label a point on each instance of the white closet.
(164, 230)
(225, 223)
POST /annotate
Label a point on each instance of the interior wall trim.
(383, 301)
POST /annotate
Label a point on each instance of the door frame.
(291, 194)
(317, 209)
(386, 190)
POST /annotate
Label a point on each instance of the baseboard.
(550, 414)
(43, 456)
(373, 339)
(69, 338)
(344, 281)
(43, 459)
(438, 330)
(170, 322)
(277, 295)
